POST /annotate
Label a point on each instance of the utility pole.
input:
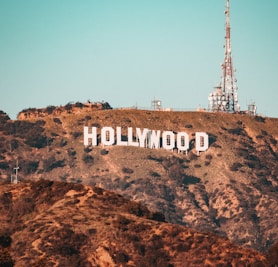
(14, 177)
(225, 98)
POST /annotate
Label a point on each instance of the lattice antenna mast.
(225, 97)
(229, 85)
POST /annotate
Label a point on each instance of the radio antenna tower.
(224, 98)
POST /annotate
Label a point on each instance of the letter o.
(182, 141)
(168, 140)
(107, 136)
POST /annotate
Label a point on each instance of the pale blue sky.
(127, 52)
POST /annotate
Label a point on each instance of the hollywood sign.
(154, 139)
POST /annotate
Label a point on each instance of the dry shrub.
(65, 242)
(29, 167)
(45, 191)
(42, 262)
(127, 170)
(88, 159)
(33, 133)
(57, 120)
(50, 109)
(140, 248)
(51, 163)
(23, 206)
(3, 117)
(209, 157)
(121, 223)
(236, 166)
(6, 199)
(259, 119)
(189, 179)
(5, 258)
(154, 258)
(154, 174)
(121, 257)
(5, 241)
(87, 149)
(237, 131)
(136, 209)
(76, 134)
(4, 165)
(98, 190)
(272, 255)
(139, 227)
(104, 152)
(63, 143)
(176, 172)
(14, 144)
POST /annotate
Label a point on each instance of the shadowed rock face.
(48, 223)
(231, 189)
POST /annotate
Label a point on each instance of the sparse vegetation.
(76, 134)
(104, 152)
(182, 187)
(87, 149)
(14, 144)
(29, 167)
(50, 109)
(57, 120)
(4, 165)
(127, 170)
(236, 166)
(88, 159)
(259, 119)
(236, 131)
(154, 174)
(51, 163)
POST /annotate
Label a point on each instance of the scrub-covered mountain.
(49, 223)
(231, 189)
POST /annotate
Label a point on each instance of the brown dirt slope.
(49, 223)
(231, 189)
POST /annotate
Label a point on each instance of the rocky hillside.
(49, 223)
(231, 189)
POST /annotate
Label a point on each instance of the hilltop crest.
(70, 108)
